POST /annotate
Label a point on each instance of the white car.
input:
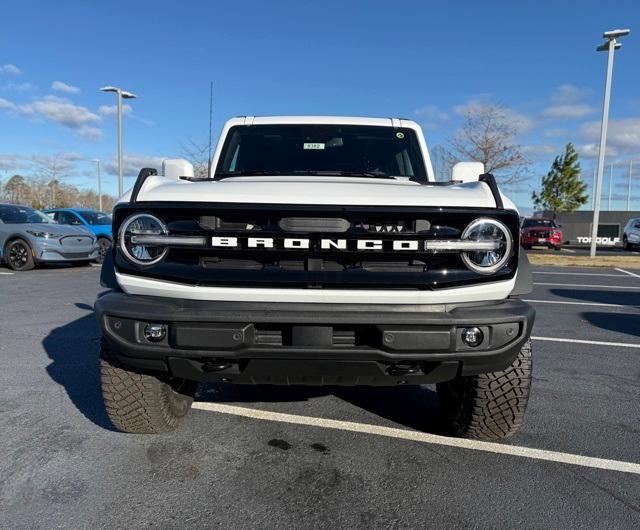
(320, 251)
(631, 233)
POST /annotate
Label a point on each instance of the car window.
(542, 223)
(15, 214)
(68, 218)
(95, 218)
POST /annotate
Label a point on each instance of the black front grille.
(315, 266)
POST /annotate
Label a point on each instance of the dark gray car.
(28, 237)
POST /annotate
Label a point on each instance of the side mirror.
(467, 171)
(174, 168)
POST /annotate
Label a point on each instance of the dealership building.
(576, 226)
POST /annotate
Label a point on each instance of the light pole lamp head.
(605, 47)
(128, 95)
(109, 89)
(616, 33)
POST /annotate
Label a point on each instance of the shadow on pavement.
(601, 297)
(74, 350)
(415, 407)
(628, 324)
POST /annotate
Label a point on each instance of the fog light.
(472, 336)
(155, 332)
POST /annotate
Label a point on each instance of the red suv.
(540, 232)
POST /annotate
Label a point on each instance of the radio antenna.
(210, 120)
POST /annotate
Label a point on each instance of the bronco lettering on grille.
(321, 244)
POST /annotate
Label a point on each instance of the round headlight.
(132, 234)
(493, 235)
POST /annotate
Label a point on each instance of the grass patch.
(631, 262)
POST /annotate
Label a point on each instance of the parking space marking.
(588, 286)
(629, 273)
(594, 342)
(417, 436)
(7, 273)
(582, 274)
(568, 250)
(562, 302)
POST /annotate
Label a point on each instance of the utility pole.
(610, 184)
(99, 163)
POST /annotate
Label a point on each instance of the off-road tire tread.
(140, 402)
(489, 406)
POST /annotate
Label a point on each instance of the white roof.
(329, 120)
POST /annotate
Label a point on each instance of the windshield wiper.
(360, 174)
(228, 174)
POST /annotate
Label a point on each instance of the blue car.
(97, 222)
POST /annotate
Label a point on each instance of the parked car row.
(29, 237)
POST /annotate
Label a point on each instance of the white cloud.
(540, 151)
(622, 135)
(111, 110)
(61, 111)
(555, 133)
(520, 122)
(431, 113)
(569, 93)
(17, 87)
(133, 163)
(63, 87)
(11, 69)
(568, 111)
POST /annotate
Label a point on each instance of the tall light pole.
(610, 46)
(99, 163)
(121, 94)
(610, 185)
(629, 188)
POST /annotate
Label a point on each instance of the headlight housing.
(44, 234)
(142, 224)
(486, 230)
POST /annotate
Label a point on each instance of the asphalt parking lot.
(251, 457)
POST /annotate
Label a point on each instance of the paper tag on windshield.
(312, 146)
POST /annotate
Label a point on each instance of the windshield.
(546, 223)
(95, 218)
(13, 215)
(350, 150)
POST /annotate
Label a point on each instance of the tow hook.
(403, 369)
(215, 366)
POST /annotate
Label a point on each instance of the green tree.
(562, 190)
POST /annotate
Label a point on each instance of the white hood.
(351, 191)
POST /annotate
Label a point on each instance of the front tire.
(488, 406)
(18, 255)
(104, 245)
(141, 402)
(626, 244)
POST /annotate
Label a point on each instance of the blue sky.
(420, 60)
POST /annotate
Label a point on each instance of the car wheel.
(18, 255)
(103, 247)
(626, 244)
(488, 406)
(142, 402)
(557, 247)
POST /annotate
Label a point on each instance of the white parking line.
(594, 342)
(581, 273)
(629, 273)
(416, 436)
(562, 302)
(568, 250)
(7, 273)
(585, 285)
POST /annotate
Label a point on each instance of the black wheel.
(139, 401)
(626, 244)
(488, 406)
(557, 248)
(18, 255)
(104, 245)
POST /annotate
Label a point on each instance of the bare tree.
(50, 170)
(198, 155)
(489, 135)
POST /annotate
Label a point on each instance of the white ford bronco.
(319, 251)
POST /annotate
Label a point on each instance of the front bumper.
(55, 251)
(299, 343)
